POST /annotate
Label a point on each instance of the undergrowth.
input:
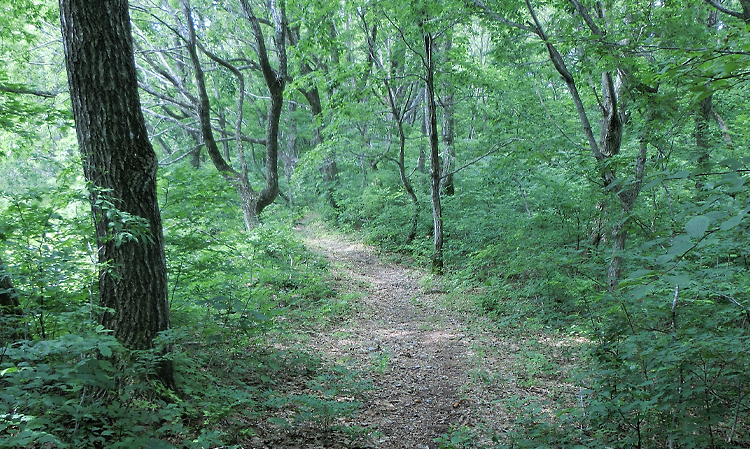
(236, 300)
(659, 361)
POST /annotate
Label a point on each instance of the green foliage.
(670, 360)
(68, 392)
(459, 437)
(336, 393)
(528, 230)
(48, 261)
(233, 294)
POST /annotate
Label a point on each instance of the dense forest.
(568, 170)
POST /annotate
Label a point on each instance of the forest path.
(426, 361)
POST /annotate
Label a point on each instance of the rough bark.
(120, 165)
(612, 120)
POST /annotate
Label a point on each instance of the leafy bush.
(67, 392)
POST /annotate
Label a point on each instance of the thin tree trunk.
(252, 202)
(611, 124)
(222, 121)
(449, 146)
(276, 83)
(437, 211)
(627, 197)
(421, 161)
(405, 181)
(523, 194)
(703, 117)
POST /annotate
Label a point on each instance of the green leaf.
(697, 226)
(641, 291)
(680, 280)
(734, 164)
(732, 222)
(682, 174)
(679, 248)
(652, 183)
(104, 349)
(259, 316)
(639, 274)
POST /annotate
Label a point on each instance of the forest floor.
(436, 366)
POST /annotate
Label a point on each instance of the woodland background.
(577, 168)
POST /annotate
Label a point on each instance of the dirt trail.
(421, 355)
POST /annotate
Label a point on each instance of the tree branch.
(494, 16)
(26, 91)
(727, 11)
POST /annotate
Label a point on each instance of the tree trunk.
(120, 165)
(276, 83)
(405, 181)
(421, 160)
(627, 197)
(703, 117)
(10, 309)
(290, 156)
(702, 136)
(449, 146)
(8, 296)
(612, 122)
(252, 202)
(432, 131)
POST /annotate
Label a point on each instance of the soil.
(434, 365)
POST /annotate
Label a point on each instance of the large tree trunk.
(120, 165)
